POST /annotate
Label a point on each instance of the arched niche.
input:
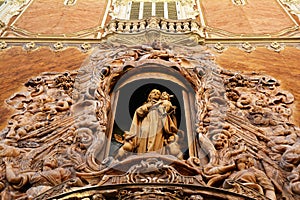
(132, 90)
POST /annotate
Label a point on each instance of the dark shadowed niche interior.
(132, 91)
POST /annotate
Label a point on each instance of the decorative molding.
(85, 47)
(239, 118)
(58, 46)
(30, 46)
(277, 47)
(219, 33)
(21, 33)
(220, 48)
(247, 47)
(186, 39)
(3, 45)
(154, 169)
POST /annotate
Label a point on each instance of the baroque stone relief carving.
(188, 32)
(244, 140)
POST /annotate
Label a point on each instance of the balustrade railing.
(166, 25)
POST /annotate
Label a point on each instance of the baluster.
(112, 26)
(142, 25)
(135, 27)
(178, 27)
(164, 25)
(171, 27)
(186, 26)
(194, 26)
(127, 27)
(120, 26)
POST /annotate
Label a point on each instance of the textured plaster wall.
(53, 17)
(17, 66)
(257, 16)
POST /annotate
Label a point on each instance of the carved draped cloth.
(252, 178)
(50, 177)
(151, 127)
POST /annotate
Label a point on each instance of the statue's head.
(220, 139)
(244, 161)
(154, 95)
(165, 96)
(51, 162)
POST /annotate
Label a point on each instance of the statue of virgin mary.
(154, 124)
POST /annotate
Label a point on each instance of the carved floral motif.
(65, 116)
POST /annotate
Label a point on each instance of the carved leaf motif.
(65, 116)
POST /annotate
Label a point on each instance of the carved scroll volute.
(107, 69)
(65, 116)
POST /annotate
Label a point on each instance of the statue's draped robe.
(43, 180)
(151, 128)
(252, 178)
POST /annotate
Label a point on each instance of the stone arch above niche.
(238, 118)
(235, 114)
(134, 87)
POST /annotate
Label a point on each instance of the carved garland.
(235, 115)
(109, 66)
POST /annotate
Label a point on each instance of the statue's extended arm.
(219, 169)
(18, 181)
(266, 184)
(11, 176)
(143, 110)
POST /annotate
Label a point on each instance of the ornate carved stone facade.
(151, 115)
(238, 140)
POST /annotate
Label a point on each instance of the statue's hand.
(119, 138)
(171, 139)
(157, 103)
(149, 105)
(8, 162)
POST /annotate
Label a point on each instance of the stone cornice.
(218, 44)
(183, 32)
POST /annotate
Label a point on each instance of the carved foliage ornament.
(245, 142)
